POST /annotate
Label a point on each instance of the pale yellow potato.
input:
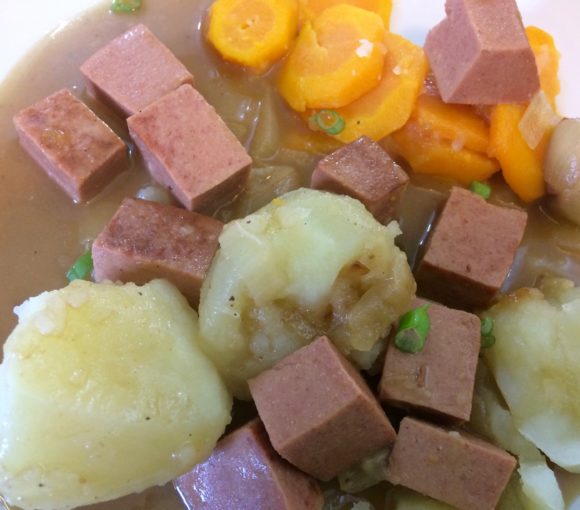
(309, 263)
(104, 392)
(535, 364)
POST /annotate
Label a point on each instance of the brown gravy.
(42, 231)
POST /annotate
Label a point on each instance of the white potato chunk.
(535, 363)
(104, 392)
(309, 263)
(536, 487)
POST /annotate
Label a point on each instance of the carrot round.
(388, 106)
(337, 58)
(253, 33)
(310, 9)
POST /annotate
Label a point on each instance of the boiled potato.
(309, 263)
(535, 364)
(104, 392)
(535, 486)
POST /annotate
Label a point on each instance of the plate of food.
(289, 254)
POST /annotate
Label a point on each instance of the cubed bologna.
(449, 465)
(470, 252)
(319, 413)
(363, 170)
(73, 146)
(133, 71)
(480, 54)
(245, 473)
(188, 148)
(439, 380)
(146, 240)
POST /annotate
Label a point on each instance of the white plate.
(23, 23)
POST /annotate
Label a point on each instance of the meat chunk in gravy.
(146, 240)
(133, 71)
(480, 54)
(440, 378)
(450, 466)
(71, 144)
(470, 252)
(245, 473)
(188, 148)
(363, 170)
(318, 411)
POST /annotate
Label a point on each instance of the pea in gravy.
(42, 232)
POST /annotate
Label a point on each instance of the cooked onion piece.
(104, 392)
(534, 362)
(309, 263)
(562, 169)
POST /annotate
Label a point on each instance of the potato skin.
(104, 392)
(535, 364)
(309, 263)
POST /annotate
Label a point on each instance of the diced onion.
(538, 120)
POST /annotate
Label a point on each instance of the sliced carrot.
(253, 33)
(389, 105)
(439, 157)
(337, 58)
(457, 124)
(310, 9)
(523, 167)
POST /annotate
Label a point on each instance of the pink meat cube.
(146, 240)
(188, 148)
(245, 473)
(450, 466)
(133, 71)
(470, 251)
(72, 145)
(480, 54)
(319, 413)
(363, 170)
(439, 379)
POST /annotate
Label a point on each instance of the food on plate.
(561, 169)
(521, 165)
(245, 473)
(71, 144)
(363, 170)
(133, 71)
(310, 9)
(104, 392)
(536, 481)
(336, 59)
(438, 379)
(446, 140)
(309, 263)
(323, 438)
(146, 240)
(534, 363)
(255, 33)
(480, 54)
(188, 148)
(428, 459)
(462, 267)
(307, 297)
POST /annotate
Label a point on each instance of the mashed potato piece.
(535, 364)
(310, 263)
(104, 392)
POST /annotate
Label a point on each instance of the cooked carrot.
(253, 33)
(310, 9)
(389, 105)
(429, 154)
(337, 58)
(523, 167)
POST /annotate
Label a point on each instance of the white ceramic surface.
(23, 23)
